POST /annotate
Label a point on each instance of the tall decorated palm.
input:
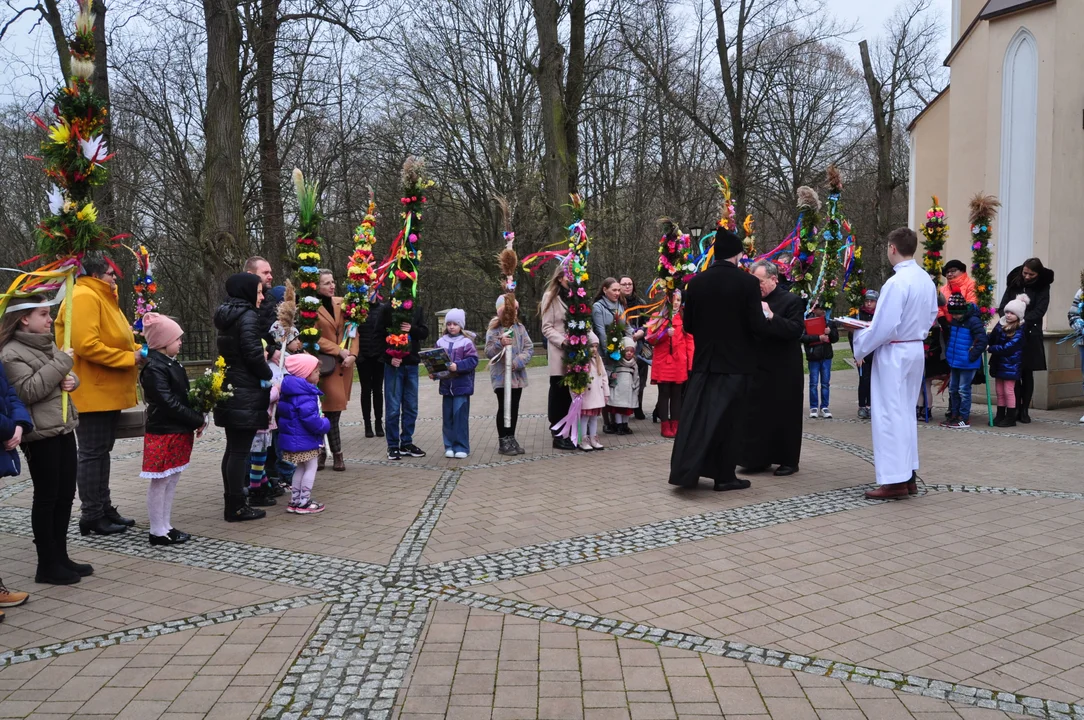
(935, 233)
(360, 273)
(807, 244)
(406, 255)
(983, 211)
(827, 284)
(307, 256)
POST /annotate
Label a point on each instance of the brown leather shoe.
(912, 487)
(887, 492)
(340, 464)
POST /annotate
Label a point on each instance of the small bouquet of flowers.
(209, 389)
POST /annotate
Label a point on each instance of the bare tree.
(900, 75)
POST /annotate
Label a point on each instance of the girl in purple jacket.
(301, 428)
(457, 387)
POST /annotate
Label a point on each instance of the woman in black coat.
(1034, 280)
(240, 337)
(371, 345)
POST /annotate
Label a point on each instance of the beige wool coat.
(553, 327)
(336, 386)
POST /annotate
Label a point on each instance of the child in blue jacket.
(1006, 355)
(458, 386)
(967, 342)
(301, 428)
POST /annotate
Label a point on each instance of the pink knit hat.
(160, 330)
(301, 365)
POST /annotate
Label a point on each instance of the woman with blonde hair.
(336, 384)
(552, 310)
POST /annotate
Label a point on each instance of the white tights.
(589, 426)
(160, 503)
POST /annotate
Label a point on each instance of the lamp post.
(694, 232)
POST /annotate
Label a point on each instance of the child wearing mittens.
(171, 425)
(301, 429)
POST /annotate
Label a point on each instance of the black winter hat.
(954, 265)
(727, 244)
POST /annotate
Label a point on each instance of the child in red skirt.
(171, 424)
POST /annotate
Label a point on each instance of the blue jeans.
(820, 373)
(400, 403)
(456, 421)
(959, 388)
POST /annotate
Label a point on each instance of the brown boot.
(887, 492)
(340, 464)
(322, 460)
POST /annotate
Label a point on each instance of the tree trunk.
(574, 88)
(103, 196)
(223, 241)
(274, 224)
(549, 76)
(882, 197)
(51, 13)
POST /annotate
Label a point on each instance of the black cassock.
(772, 432)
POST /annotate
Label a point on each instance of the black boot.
(378, 427)
(237, 510)
(261, 496)
(60, 540)
(369, 428)
(1010, 418)
(114, 516)
(1022, 414)
(639, 414)
(1000, 417)
(101, 526)
(50, 570)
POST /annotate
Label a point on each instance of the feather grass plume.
(808, 244)
(983, 210)
(508, 260)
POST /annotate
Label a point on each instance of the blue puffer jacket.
(461, 351)
(301, 426)
(12, 415)
(1006, 353)
(967, 340)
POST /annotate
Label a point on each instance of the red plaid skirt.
(165, 455)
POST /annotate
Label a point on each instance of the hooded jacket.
(301, 426)
(967, 340)
(1006, 353)
(36, 367)
(13, 414)
(1038, 293)
(240, 343)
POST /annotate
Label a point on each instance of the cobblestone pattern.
(153, 630)
(889, 680)
(410, 548)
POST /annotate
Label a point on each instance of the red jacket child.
(673, 357)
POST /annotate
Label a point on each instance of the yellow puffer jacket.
(104, 348)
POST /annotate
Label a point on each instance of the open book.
(852, 323)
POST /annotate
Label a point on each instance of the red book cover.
(816, 326)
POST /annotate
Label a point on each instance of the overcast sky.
(871, 16)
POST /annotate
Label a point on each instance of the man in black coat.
(723, 312)
(773, 425)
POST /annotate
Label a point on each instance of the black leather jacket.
(165, 390)
(240, 337)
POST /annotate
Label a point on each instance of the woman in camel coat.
(331, 322)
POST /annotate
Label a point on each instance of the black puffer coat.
(239, 342)
(1038, 293)
(165, 389)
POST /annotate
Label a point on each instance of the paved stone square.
(566, 586)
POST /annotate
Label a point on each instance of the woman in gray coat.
(606, 309)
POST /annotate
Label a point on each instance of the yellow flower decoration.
(89, 213)
(61, 133)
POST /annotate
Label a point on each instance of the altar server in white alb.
(905, 311)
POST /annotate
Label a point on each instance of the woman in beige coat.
(553, 309)
(331, 322)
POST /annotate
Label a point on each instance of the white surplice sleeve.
(886, 321)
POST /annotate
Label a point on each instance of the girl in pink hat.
(302, 428)
(171, 425)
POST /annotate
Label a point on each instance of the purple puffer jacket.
(301, 426)
(462, 352)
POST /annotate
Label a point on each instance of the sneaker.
(958, 424)
(310, 508)
(826, 413)
(460, 455)
(10, 598)
(394, 454)
(291, 508)
(814, 413)
(411, 450)
(948, 422)
(449, 453)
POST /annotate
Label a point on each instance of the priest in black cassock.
(773, 425)
(723, 312)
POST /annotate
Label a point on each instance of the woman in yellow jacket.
(106, 361)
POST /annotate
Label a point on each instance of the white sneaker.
(449, 453)
(460, 455)
(826, 413)
(813, 413)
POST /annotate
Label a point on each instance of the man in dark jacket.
(401, 384)
(723, 310)
(773, 425)
(371, 371)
